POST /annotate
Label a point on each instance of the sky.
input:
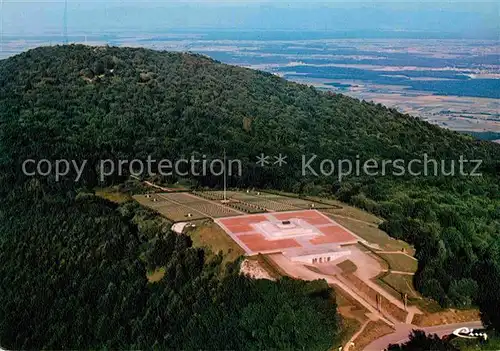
(462, 18)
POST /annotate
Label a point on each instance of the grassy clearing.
(427, 306)
(157, 275)
(373, 331)
(388, 288)
(303, 202)
(372, 234)
(347, 266)
(449, 316)
(401, 283)
(349, 211)
(398, 284)
(400, 262)
(113, 195)
(349, 327)
(210, 236)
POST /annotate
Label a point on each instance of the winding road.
(403, 330)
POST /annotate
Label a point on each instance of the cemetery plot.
(177, 213)
(208, 204)
(213, 210)
(184, 206)
(266, 201)
(245, 207)
(182, 198)
(173, 211)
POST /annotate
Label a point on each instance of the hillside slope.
(78, 102)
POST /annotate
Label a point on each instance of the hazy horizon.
(451, 19)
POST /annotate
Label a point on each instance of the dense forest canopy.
(73, 276)
(91, 103)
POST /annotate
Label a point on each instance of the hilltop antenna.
(65, 22)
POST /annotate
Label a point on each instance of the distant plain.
(449, 82)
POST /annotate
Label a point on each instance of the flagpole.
(225, 177)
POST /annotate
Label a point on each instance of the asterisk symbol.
(262, 160)
(280, 160)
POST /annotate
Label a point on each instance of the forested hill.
(77, 102)
(83, 101)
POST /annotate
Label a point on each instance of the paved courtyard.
(286, 231)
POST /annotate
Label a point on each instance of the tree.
(99, 68)
(488, 278)
(420, 341)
